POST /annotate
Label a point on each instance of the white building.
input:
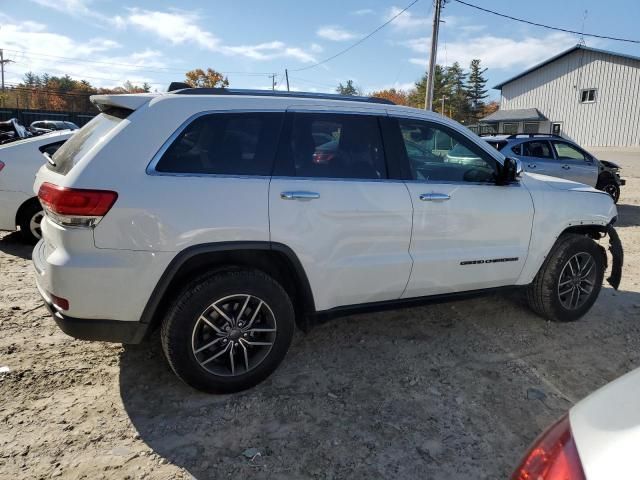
(588, 95)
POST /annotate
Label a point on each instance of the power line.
(617, 39)
(359, 41)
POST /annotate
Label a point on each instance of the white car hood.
(563, 184)
(606, 429)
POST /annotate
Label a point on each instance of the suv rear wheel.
(228, 331)
(570, 279)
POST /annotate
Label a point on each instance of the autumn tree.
(348, 89)
(198, 78)
(397, 96)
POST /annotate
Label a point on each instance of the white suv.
(228, 217)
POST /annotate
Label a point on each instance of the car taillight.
(1, 165)
(553, 456)
(74, 206)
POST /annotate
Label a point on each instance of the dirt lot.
(455, 390)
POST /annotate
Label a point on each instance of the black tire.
(544, 293)
(611, 187)
(180, 328)
(29, 211)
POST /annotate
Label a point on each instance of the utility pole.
(428, 101)
(273, 81)
(442, 108)
(2, 62)
(286, 74)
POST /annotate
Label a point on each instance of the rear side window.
(328, 145)
(225, 144)
(537, 150)
(85, 139)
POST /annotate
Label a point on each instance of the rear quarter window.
(67, 156)
(225, 144)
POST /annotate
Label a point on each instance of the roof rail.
(179, 88)
(511, 136)
(532, 135)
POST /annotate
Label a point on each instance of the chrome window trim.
(151, 167)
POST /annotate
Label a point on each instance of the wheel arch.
(24, 206)
(274, 259)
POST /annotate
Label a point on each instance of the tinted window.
(437, 153)
(85, 139)
(337, 146)
(228, 144)
(517, 149)
(567, 152)
(537, 149)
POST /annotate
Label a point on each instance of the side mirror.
(509, 171)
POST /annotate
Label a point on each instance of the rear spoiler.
(127, 101)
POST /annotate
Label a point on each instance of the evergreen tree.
(476, 88)
(457, 107)
(417, 95)
(348, 89)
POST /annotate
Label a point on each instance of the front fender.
(617, 257)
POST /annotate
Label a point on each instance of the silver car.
(558, 157)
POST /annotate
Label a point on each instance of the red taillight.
(61, 303)
(322, 157)
(553, 456)
(1, 165)
(75, 201)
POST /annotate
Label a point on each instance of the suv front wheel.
(228, 331)
(570, 279)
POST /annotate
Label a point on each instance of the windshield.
(84, 140)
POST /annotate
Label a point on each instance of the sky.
(108, 43)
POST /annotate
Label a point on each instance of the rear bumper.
(98, 330)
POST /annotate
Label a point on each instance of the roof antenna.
(584, 19)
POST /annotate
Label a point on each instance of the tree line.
(462, 93)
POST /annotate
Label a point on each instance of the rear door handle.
(566, 167)
(299, 195)
(532, 165)
(434, 197)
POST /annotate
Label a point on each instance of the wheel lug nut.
(225, 340)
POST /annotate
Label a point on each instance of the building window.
(556, 127)
(531, 127)
(510, 128)
(588, 95)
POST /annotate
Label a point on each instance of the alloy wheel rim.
(577, 281)
(234, 335)
(35, 225)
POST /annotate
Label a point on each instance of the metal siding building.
(560, 89)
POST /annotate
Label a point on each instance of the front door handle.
(566, 167)
(531, 165)
(434, 197)
(299, 195)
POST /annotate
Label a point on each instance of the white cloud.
(363, 11)
(180, 27)
(335, 33)
(33, 48)
(81, 8)
(177, 27)
(407, 21)
(496, 52)
(388, 86)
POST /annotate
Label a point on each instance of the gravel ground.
(455, 390)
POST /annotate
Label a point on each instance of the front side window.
(437, 153)
(225, 144)
(564, 151)
(539, 149)
(588, 95)
(337, 146)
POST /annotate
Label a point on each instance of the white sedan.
(597, 440)
(19, 162)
